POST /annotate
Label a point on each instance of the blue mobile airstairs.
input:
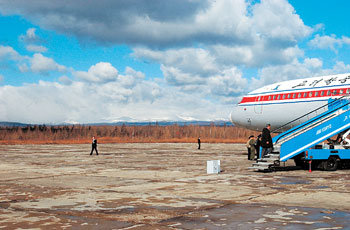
(305, 143)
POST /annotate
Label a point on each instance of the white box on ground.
(213, 166)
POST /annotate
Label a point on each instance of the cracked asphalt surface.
(162, 186)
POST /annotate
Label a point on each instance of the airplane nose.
(237, 116)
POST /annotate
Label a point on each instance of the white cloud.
(226, 37)
(166, 23)
(84, 102)
(36, 48)
(65, 80)
(229, 84)
(37, 64)
(30, 36)
(101, 72)
(329, 42)
(1, 78)
(41, 64)
(310, 67)
(7, 52)
(194, 60)
(277, 21)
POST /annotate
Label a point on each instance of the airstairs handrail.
(298, 118)
(312, 120)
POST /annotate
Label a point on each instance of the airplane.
(289, 103)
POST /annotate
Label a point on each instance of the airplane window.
(278, 97)
(348, 91)
(274, 97)
(328, 92)
(335, 92)
(284, 96)
(316, 94)
(322, 93)
(269, 98)
(305, 94)
(299, 95)
(310, 94)
(294, 94)
(288, 96)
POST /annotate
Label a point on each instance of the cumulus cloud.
(202, 47)
(329, 42)
(309, 67)
(159, 23)
(37, 64)
(101, 72)
(41, 64)
(83, 102)
(277, 20)
(229, 84)
(8, 53)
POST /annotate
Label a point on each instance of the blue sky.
(142, 60)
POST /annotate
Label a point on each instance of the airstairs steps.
(267, 163)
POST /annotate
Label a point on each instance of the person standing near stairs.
(266, 141)
(251, 148)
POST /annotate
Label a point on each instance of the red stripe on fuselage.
(295, 95)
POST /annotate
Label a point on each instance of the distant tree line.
(40, 134)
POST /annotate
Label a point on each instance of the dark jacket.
(266, 137)
(94, 143)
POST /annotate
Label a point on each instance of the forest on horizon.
(80, 134)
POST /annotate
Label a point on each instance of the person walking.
(251, 148)
(266, 141)
(199, 143)
(94, 145)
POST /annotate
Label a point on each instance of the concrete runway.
(162, 186)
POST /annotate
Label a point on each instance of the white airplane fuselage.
(283, 102)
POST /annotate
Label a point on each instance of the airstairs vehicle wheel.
(331, 164)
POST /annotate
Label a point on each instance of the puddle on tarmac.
(320, 187)
(247, 216)
(293, 180)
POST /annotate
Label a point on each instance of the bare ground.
(162, 186)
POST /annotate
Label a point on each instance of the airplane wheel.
(331, 164)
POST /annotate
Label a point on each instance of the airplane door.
(259, 106)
